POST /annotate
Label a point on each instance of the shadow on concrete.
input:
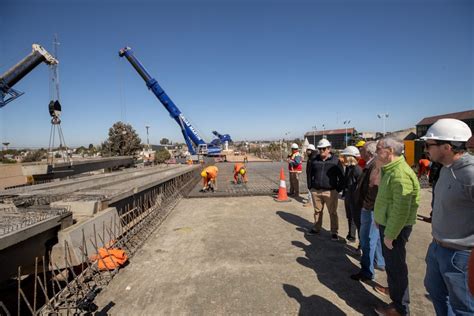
(104, 311)
(312, 305)
(330, 261)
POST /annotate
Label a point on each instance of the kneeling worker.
(209, 178)
(239, 170)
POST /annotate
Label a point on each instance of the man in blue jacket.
(326, 180)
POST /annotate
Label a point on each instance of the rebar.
(137, 220)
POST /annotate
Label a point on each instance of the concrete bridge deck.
(249, 255)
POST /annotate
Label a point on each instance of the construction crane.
(21, 69)
(196, 145)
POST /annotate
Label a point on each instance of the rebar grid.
(71, 290)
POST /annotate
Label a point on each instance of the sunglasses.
(438, 143)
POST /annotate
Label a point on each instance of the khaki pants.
(328, 198)
(294, 184)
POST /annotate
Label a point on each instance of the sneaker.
(382, 290)
(360, 277)
(387, 311)
(312, 232)
(334, 237)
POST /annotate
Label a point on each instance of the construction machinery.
(21, 69)
(196, 145)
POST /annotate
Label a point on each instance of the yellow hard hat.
(242, 171)
(360, 143)
(204, 173)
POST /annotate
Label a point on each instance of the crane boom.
(21, 69)
(190, 135)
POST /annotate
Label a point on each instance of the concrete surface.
(249, 255)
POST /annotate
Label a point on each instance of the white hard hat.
(311, 147)
(351, 151)
(448, 130)
(294, 146)
(323, 143)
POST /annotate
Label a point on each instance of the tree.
(36, 155)
(164, 141)
(162, 155)
(123, 141)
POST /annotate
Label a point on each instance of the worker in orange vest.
(209, 178)
(240, 171)
(424, 166)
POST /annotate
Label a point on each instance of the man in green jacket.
(395, 213)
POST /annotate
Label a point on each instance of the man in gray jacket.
(453, 219)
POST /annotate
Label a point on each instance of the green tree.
(123, 141)
(36, 155)
(162, 155)
(164, 141)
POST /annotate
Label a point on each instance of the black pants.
(397, 270)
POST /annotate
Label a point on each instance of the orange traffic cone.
(282, 196)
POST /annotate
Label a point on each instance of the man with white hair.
(366, 193)
(395, 212)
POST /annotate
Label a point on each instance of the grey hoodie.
(453, 209)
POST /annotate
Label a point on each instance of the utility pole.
(147, 140)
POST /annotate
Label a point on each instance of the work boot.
(334, 237)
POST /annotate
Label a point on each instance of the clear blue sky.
(253, 69)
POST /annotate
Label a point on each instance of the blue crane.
(21, 69)
(196, 145)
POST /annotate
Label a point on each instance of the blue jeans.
(446, 280)
(370, 244)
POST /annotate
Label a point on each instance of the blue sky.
(252, 69)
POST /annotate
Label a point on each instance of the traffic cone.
(282, 196)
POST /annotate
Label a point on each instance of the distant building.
(337, 137)
(423, 125)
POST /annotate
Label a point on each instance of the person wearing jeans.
(446, 271)
(370, 244)
(366, 193)
(446, 278)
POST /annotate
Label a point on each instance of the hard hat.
(323, 143)
(242, 171)
(311, 147)
(204, 173)
(360, 143)
(294, 146)
(351, 151)
(448, 130)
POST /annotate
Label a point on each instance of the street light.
(346, 123)
(324, 131)
(383, 116)
(314, 134)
